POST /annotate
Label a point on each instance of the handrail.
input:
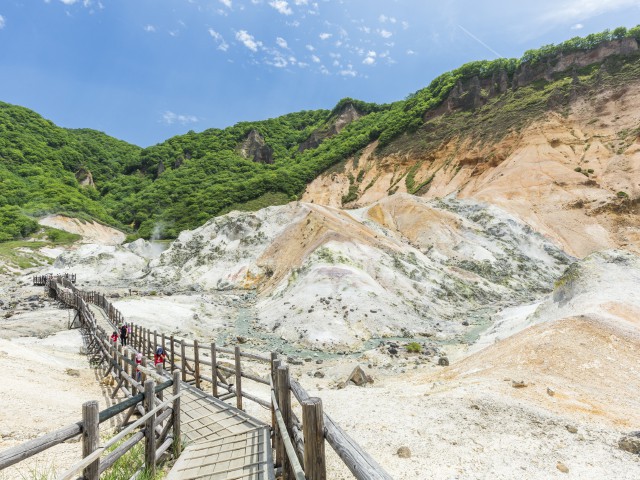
(32, 447)
(288, 445)
(98, 452)
(359, 462)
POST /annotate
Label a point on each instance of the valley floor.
(465, 421)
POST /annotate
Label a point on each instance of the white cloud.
(248, 41)
(169, 118)
(68, 2)
(365, 29)
(370, 59)
(301, 2)
(149, 28)
(222, 45)
(572, 10)
(311, 48)
(410, 52)
(226, 3)
(385, 33)
(281, 6)
(2, 22)
(282, 43)
(405, 25)
(325, 35)
(278, 62)
(577, 26)
(349, 72)
(382, 18)
(315, 59)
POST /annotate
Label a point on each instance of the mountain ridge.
(149, 190)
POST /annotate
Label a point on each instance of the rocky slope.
(571, 174)
(329, 278)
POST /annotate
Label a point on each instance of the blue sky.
(145, 70)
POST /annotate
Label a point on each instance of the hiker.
(159, 356)
(123, 335)
(138, 362)
(114, 337)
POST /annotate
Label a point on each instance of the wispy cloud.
(281, 42)
(2, 22)
(325, 36)
(169, 118)
(348, 72)
(226, 3)
(385, 33)
(281, 6)
(577, 26)
(572, 10)
(149, 28)
(248, 41)
(222, 45)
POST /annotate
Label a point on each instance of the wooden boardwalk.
(222, 442)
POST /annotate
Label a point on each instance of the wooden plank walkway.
(223, 442)
(245, 456)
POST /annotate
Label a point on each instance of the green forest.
(181, 183)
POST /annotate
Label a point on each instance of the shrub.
(414, 347)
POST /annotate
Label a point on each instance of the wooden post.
(121, 362)
(150, 348)
(183, 362)
(284, 402)
(214, 370)
(164, 348)
(274, 358)
(160, 393)
(238, 378)
(173, 353)
(197, 362)
(313, 430)
(134, 373)
(150, 429)
(176, 413)
(275, 364)
(155, 340)
(144, 375)
(90, 438)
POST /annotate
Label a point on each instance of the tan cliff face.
(572, 177)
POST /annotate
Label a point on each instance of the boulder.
(443, 361)
(630, 443)
(359, 377)
(404, 452)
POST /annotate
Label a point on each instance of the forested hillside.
(186, 180)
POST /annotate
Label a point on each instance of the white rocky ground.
(570, 342)
(326, 278)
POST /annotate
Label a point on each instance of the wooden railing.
(160, 418)
(299, 442)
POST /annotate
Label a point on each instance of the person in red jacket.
(159, 356)
(114, 337)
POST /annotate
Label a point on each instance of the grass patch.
(266, 200)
